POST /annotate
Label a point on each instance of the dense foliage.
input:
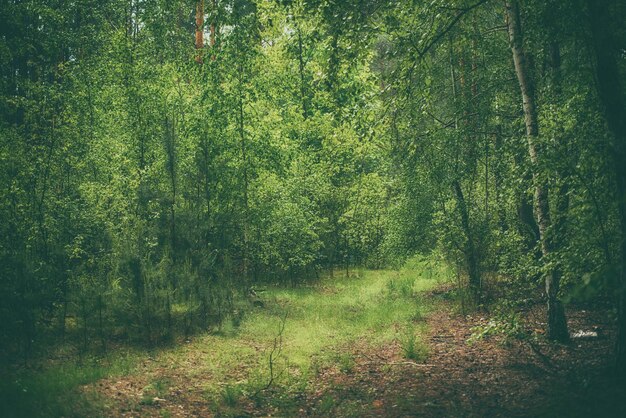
(158, 158)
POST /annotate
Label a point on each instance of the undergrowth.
(53, 391)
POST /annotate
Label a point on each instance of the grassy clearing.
(233, 365)
(321, 322)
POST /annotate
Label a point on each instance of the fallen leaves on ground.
(483, 379)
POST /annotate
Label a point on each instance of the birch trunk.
(557, 324)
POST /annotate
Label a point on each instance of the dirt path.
(483, 379)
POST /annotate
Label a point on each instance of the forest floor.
(377, 344)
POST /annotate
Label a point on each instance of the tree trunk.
(527, 223)
(610, 92)
(561, 201)
(470, 250)
(199, 30)
(212, 27)
(244, 159)
(557, 324)
(497, 181)
(303, 97)
(170, 148)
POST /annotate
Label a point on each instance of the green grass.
(53, 392)
(372, 307)
(231, 395)
(322, 322)
(413, 348)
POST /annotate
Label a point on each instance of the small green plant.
(161, 386)
(420, 307)
(236, 318)
(418, 316)
(507, 325)
(401, 287)
(231, 395)
(346, 362)
(158, 388)
(413, 348)
(327, 403)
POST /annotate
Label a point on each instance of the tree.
(557, 324)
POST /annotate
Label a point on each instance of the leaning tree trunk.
(557, 324)
(610, 92)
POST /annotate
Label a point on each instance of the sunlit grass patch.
(320, 323)
(374, 305)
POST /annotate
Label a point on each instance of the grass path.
(251, 366)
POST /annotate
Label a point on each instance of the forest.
(323, 208)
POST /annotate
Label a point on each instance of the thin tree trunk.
(497, 181)
(561, 206)
(170, 147)
(63, 320)
(244, 160)
(469, 250)
(557, 324)
(101, 325)
(212, 27)
(527, 226)
(85, 331)
(303, 97)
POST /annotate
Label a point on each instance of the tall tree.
(557, 324)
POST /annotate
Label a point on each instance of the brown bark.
(199, 30)
(557, 324)
(470, 251)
